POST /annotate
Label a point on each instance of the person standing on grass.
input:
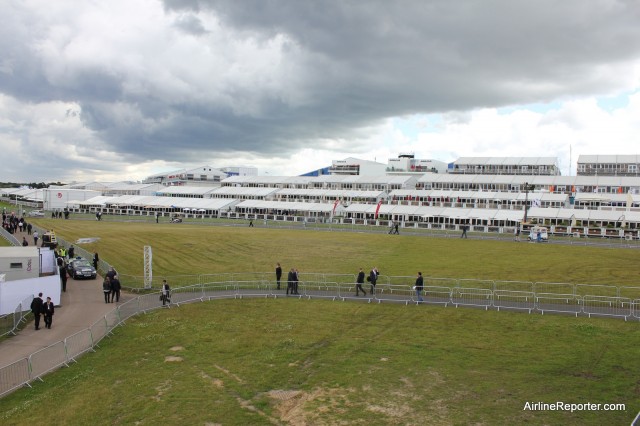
(36, 307)
(48, 311)
(96, 259)
(295, 282)
(359, 282)
(278, 275)
(106, 288)
(419, 286)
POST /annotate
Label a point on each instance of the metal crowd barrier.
(9, 323)
(557, 297)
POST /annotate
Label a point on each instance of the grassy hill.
(290, 361)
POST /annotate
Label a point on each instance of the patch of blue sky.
(536, 107)
(611, 103)
(413, 125)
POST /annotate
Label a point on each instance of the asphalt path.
(80, 307)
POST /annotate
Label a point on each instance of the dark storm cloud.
(267, 77)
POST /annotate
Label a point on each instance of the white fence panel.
(47, 359)
(78, 343)
(556, 302)
(219, 290)
(607, 306)
(472, 297)
(511, 299)
(14, 376)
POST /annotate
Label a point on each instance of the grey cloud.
(190, 24)
(344, 66)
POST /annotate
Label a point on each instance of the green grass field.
(290, 361)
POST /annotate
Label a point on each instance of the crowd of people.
(372, 279)
(12, 224)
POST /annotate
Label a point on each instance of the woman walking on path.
(106, 289)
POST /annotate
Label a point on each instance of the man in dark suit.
(290, 281)
(373, 278)
(295, 282)
(359, 282)
(115, 289)
(36, 307)
(48, 310)
(278, 275)
(63, 277)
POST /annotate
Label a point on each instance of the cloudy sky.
(120, 89)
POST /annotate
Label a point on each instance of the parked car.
(36, 213)
(81, 268)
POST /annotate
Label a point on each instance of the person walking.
(37, 306)
(359, 282)
(29, 228)
(71, 252)
(106, 288)
(166, 293)
(96, 259)
(48, 310)
(63, 277)
(35, 238)
(464, 231)
(290, 281)
(396, 228)
(295, 282)
(373, 278)
(278, 275)
(419, 286)
(115, 289)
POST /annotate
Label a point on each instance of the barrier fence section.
(541, 297)
(9, 323)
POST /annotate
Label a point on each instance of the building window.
(15, 265)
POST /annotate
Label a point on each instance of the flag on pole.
(378, 209)
(333, 212)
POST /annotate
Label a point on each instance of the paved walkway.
(81, 306)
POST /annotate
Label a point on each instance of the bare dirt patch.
(173, 359)
(292, 405)
(176, 349)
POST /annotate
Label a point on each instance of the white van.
(538, 233)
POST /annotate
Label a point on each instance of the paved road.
(81, 306)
